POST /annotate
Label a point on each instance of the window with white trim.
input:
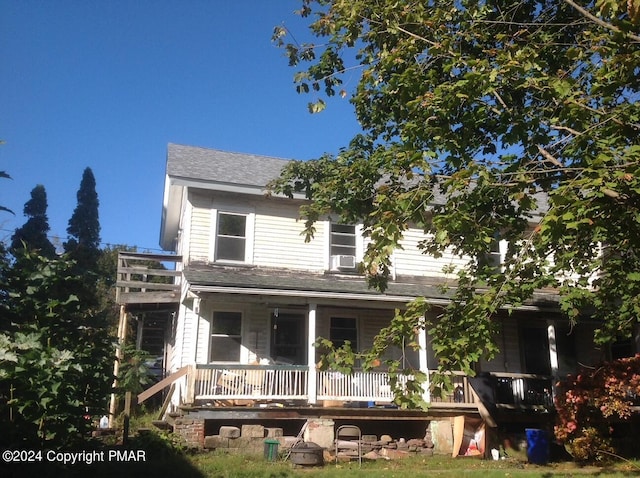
(343, 247)
(494, 259)
(343, 240)
(231, 237)
(226, 337)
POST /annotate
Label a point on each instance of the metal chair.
(348, 439)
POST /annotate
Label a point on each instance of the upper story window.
(495, 257)
(343, 246)
(231, 237)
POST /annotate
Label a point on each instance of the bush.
(590, 404)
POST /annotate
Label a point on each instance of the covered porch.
(267, 386)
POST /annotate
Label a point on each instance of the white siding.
(184, 353)
(279, 242)
(204, 331)
(200, 228)
(412, 262)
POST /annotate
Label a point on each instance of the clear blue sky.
(108, 84)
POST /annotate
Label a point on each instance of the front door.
(288, 344)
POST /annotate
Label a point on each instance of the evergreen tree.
(84, 225)
(33, 234)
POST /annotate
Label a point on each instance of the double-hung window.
(343, 240)
(226, 337)
(231, 237)
(343, 246)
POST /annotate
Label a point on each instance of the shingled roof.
(266, 281)
(213, 165)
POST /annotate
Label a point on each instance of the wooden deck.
(144, 278)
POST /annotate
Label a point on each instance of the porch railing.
(358, 386)
(520, 389)
(291, 382)
(250, 382)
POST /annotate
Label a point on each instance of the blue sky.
(108, 84)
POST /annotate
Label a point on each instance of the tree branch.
(600, 22)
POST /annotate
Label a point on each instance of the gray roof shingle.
(190, 162)
(288, 280)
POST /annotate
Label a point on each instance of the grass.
(229, 466)
(167, 457)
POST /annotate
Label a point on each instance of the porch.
(266, 386)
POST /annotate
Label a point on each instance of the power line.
(55, 239)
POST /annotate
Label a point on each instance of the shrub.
(592, 402)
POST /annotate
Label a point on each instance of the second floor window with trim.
(231, 238)
(495, 257)
(342, 246)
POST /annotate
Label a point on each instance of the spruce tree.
(33, 234)
(84, 225)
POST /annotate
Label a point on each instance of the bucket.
(537, 446)
(271, 449)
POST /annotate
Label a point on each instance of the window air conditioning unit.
(343, 262)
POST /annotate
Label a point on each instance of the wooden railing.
(263, 382)
(291, 382)
(462, 393)
(144, 278)
(521, 389)
(357, 386)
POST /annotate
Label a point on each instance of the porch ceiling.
(262, 281)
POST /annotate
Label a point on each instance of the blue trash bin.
(537, 446)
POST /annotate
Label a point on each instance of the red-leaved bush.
(590, 403)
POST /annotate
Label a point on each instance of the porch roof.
(256, 281)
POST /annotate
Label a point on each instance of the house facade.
(252, 296)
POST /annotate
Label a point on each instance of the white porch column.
(422, 361)
(553, 356)
(553, 348)
(311, 354)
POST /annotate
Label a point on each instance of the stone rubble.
(250, 439)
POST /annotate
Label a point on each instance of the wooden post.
(127, 414)
(122, 337)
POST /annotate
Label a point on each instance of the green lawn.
(219, 465)
(168, 463)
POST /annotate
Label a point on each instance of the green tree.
(480, 119)
(84, 225)
(3, 174)
(83, 241)
(33, 233)
(56, 355)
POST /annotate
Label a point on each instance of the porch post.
(553, 356)
(311, 354)
(422, 361)
(553, 348)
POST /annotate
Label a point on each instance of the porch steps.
(162, 424)
(167, 422)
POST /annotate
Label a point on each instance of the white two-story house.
(254, 296)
